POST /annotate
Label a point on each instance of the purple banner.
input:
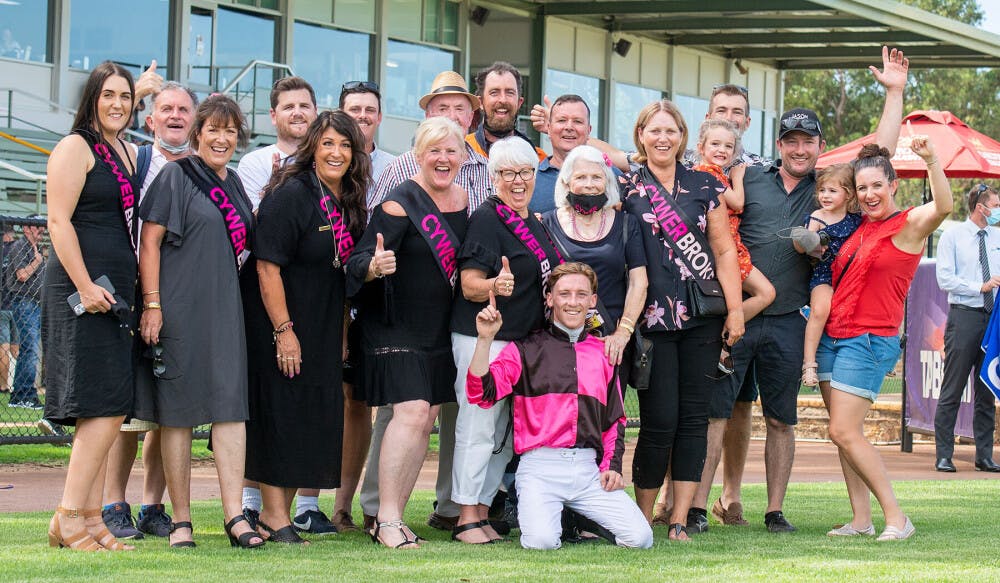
(926, 316)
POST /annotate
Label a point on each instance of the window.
(403, 18)
(346, 59)
(629, 99)
(24, 31)
(753, 138)
(410, 70)
(242, 37)
(693, 109)
(100, 30)
(589, 88)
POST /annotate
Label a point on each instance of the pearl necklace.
(600, 227)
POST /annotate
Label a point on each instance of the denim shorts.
(857, 365)
(8, 331)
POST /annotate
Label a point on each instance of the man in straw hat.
(449, 96)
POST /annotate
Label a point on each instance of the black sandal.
(184, 544)
(459, 529)
(676, 529)
(243, 540)
(399, 525)
(285, 534)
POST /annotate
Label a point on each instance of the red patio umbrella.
(964, 152)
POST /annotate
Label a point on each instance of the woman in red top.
(871, 276)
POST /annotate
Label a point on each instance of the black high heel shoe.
(285, 534)
(243, 540)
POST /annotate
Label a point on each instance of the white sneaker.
(893, 533)
(848, 530)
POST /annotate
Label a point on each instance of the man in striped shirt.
(449, 97)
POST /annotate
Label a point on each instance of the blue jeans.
(28, 319)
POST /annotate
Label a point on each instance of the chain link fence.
(23, 258)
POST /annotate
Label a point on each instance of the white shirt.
(958, 270)
(255, 170)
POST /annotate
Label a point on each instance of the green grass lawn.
(953, 543)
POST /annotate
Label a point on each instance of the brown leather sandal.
(81, 541)
(103, 535)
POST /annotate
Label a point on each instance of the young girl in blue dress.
(838, 216)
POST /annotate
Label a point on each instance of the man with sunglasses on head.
(778, 197)
(968, 268)
(362, 100)
(731, 103)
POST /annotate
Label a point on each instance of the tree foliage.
(849, 101)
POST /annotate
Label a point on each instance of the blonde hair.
(666, 106)
(720, 124)
(434, 130)
(841, 175)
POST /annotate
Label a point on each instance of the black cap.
(800, 120)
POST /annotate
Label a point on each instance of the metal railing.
(38, 179)
(250, 70)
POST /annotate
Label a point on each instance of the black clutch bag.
(705, 298)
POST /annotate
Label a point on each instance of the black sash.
(235, 220)
(432, 226)
(532, 234)
(126, 188)
(329, 208)
(687, 242)
(684, 238)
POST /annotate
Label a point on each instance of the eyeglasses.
(525, 174)
(155, 353)
(716, 89)
(982, 188)
(801, 123)
(363, 85)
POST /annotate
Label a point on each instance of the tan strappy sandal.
(81, 541)
(103, 535)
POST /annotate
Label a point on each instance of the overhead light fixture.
(479, 15)
(621, 47)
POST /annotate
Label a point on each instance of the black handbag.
(641, 362)
(706, 298)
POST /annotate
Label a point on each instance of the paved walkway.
(38, 488)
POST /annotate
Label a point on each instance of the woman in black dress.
(311, 215)
(89, 349)
(404, 313)
(197, 226)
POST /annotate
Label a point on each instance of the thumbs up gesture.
(383, 262)
(148, 83)
(540, 116)
(488, 320)
(503, 283)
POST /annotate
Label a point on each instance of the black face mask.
(587, 204)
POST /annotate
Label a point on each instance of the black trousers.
(963, 336)
(673, 411)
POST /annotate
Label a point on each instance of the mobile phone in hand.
(74, 298)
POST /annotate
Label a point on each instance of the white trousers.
(477, 471)
(548, 479)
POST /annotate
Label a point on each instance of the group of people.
(323, 277)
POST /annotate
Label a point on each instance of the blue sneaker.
(154, 521)
(118, 518)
